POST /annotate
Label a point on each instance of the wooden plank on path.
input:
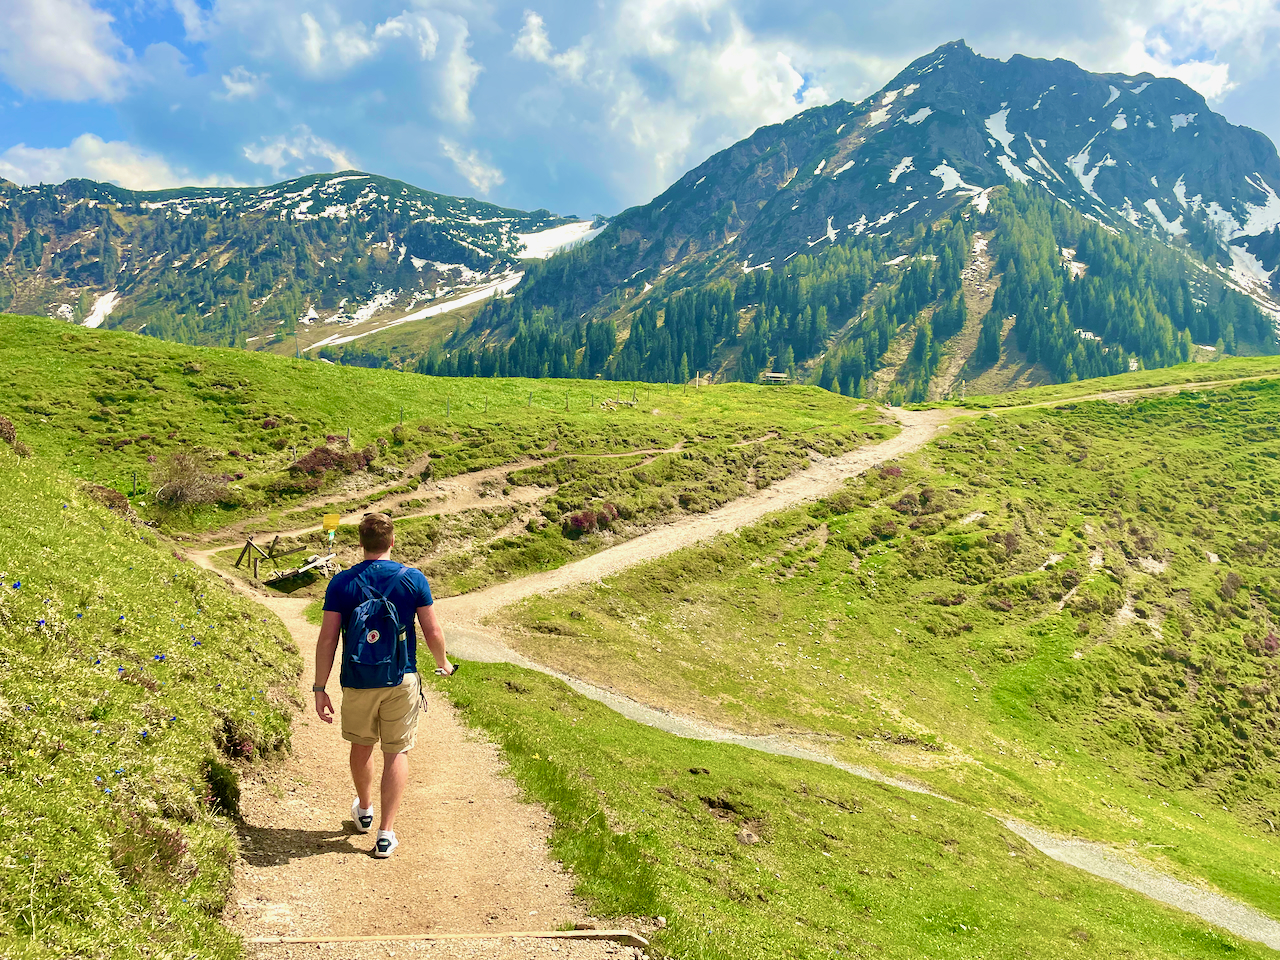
(618, 936)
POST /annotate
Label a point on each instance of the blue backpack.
(375, 651)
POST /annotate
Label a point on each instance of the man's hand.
(324, 706)
(448, 670)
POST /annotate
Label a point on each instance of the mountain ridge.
(176, 260)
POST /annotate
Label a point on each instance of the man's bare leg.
(395, 774)
(362, 774)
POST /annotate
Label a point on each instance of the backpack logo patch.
(372, 636)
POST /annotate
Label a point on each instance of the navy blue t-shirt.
(405, 587)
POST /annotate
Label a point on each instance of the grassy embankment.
(107, 405)
(132, 687)
(1066, 615)
(1227, 368)
(752, 857)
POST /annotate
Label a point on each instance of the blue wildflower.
(97, 779)
(17, 584)
(144, 733)
(98, 661)
(122, 616)
(107, 790)
(79, 616)
(40, 623)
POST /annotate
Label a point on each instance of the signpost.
(330, 524)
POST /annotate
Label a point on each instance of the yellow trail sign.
(330, 522)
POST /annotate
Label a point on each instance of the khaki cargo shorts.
(387, 714)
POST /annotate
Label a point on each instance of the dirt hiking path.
(472, 857)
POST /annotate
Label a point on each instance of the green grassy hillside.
(110, 405)
(752, 857)
(132, 685)
(1067, 615)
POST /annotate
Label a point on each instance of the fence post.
(135, 483)
(348, 435)
(295, 454)
(530, 403)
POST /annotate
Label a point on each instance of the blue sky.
(580, 107)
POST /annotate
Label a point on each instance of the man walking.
(386, 712)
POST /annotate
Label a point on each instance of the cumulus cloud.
(675, 79)
(457, 78)
(298, 152)
(569, 105)
(478, 172)
(92, 158)
(241, 83)
(62, 49)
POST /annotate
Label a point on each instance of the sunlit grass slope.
(1228, 368)
(753, 857)
(132, 685)
(1067, 615)
(107, 405)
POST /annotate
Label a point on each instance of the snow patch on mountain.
(1079, 165)
(951, 180)
(997, 124)
(1248, 270)
(843, 168)
(818, 169)
(1175, 228)
(1137, 90)
(1119, 123)
(877, 117)
(919, 116)
(1039, 162)
(905, 165)
(102, 308)
(543, 243)
(1224, 221)
(1262, 217)
(1183, 119)
(1013, 171)
(1111, 99)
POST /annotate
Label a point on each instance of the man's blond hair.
(376, 533)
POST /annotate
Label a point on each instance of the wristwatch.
(315, 689)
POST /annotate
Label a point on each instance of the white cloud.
(241, 84)
(459, 74)
(298, 153)
(414, 27)
(480, 174)
(62, 49)
(532, 43)
(90, 157)
(678, 79)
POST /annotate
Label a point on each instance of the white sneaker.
(363, 818)
(387, 842)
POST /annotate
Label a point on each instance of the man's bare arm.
(434, 636)
(326, 647)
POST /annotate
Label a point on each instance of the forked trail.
(472, 857)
